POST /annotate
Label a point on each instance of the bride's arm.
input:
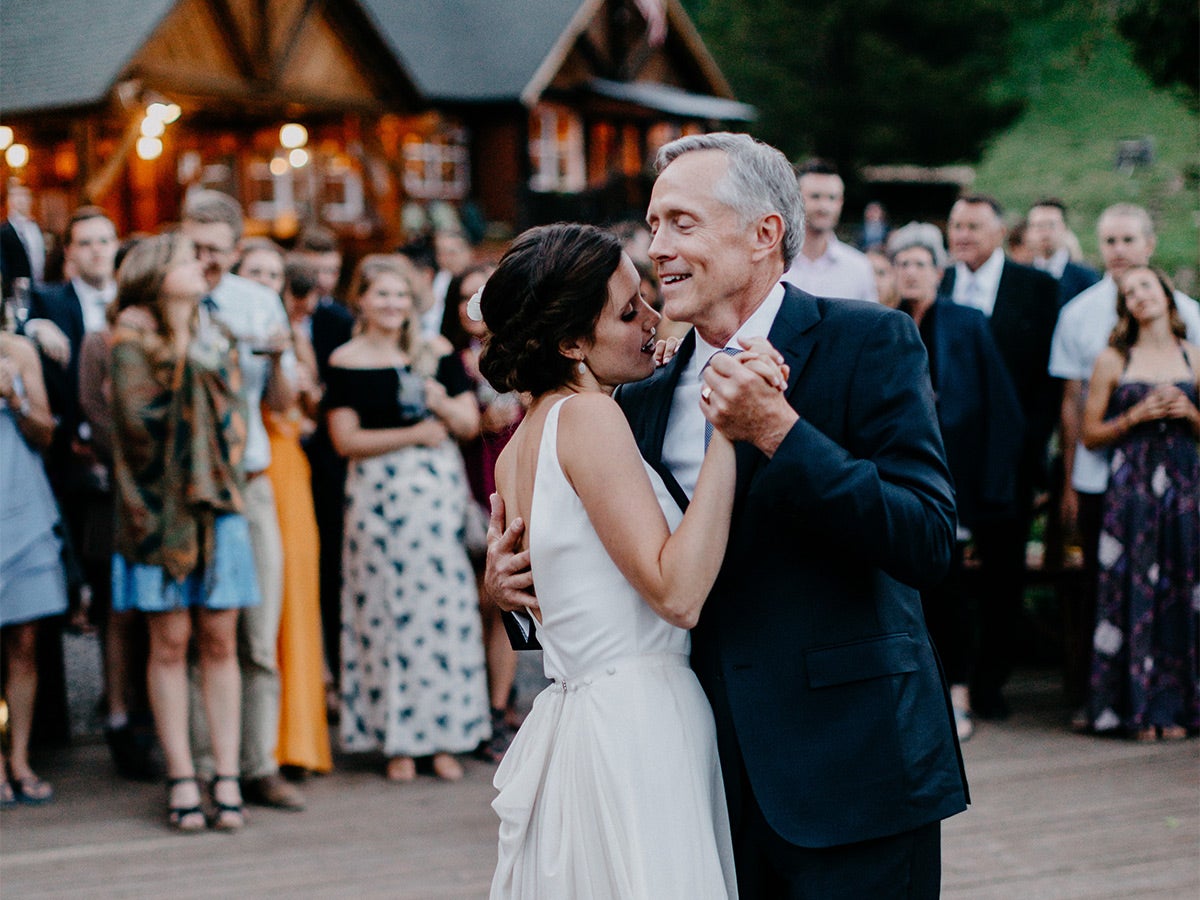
(673, 572)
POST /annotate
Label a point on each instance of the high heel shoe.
(226, 816)
(185, 819)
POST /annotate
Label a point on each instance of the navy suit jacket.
(14, 258)
(980, 416)
(1023, 321)
(332, 325)
(60, 304)
(812, 646)
(1075, 279)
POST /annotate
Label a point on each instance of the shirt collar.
(986, 276)
(758, 325)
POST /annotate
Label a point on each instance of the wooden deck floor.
(1055, 815)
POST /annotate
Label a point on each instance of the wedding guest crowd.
(269, 492)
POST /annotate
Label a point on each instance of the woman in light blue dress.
(32, 583)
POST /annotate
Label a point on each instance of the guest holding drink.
(413, 681)
(32, 583)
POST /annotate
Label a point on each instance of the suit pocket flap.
(889, 654)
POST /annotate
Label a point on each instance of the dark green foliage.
(1165, 35)
(863, 81)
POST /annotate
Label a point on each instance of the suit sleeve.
(1003, 420)
(885, 497)
(1046, 403)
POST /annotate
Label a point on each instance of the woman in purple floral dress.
(1142, 403)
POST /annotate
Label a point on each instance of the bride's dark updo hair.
(549, 288)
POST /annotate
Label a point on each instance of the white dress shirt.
(683, 445)
(841, 272)
(93, 302)
(1056, 264)
(254, 314)
(1082, 332)
(978, 288)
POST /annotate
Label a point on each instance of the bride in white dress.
(612, 788)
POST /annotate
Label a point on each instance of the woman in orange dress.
(303, 726)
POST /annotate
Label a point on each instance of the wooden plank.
(1055, 815)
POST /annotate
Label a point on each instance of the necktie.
(708, 426)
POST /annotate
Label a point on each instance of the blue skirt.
(149, 589)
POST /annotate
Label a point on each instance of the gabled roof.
(57, 54)
(476, 51)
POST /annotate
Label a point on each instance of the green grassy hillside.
(1086, 95)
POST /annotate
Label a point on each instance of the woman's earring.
(582, 367)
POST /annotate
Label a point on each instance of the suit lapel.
(75, 313)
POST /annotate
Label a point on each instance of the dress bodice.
(590, 613)
(1128, 394)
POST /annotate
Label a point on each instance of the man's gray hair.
(918, 234)
(206, 207)
(759, 181)
(1132, 211)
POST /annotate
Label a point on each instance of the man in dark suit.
(1047, 235)
(836, 738)
(22, 247)
(330, 325)
(75, 308)
(1021, 304)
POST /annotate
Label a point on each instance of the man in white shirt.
(1127, 241)
(453, 255)
(825, 266)
(255, 315)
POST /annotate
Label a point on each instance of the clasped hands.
(1166, 401)
(743, 396)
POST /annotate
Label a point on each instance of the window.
(437, 165)
(556, 150)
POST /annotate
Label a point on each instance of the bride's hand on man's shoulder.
(665, 350)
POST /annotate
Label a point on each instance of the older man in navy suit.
(836, 737)
(1021, 305)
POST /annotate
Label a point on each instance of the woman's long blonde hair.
(422, 356)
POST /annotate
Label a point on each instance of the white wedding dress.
(612, 788)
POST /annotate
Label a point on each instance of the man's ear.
(768, 235)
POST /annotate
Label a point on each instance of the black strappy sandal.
(226, 816)
(185, 819)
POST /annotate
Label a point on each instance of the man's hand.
(507, 578)
(743, 396)
(50, 338)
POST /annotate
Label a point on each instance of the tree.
(1163, 34)
(868, 81)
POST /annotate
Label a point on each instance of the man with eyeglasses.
(255, 315)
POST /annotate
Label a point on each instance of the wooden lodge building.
(410, 112)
